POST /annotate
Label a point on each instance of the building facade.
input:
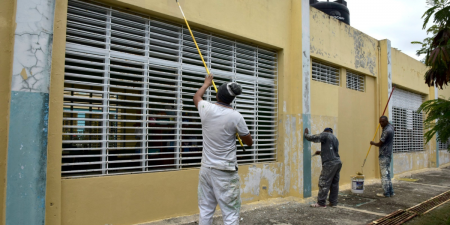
(99, 127)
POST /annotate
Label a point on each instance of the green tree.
(438, 119)
(437, 47)
(437, 57)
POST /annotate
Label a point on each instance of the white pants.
(218, 187)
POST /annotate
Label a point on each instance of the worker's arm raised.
(201, 91)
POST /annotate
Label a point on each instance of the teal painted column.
(27, 140)
(306, 98)
(437, 142)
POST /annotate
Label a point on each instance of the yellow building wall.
(444, 157)
(357, 124)
(128, 199)
(7, 28)
(341, 44)
(408, 73)
(351, 114)
(444, 93)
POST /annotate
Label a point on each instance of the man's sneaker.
(382, 195)
(316, 205)
(331, 205)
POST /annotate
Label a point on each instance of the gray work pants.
(329, 182)
(385, 170)
(219, 187)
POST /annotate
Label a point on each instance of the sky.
(397, 20)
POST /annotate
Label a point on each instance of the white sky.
(397, 20)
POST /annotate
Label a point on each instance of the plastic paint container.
(357, 184)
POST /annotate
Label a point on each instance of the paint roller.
(204, 64)
(387, 103)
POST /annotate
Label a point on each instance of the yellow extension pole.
(371, 145)
(195, 42)
(203, 60)
(387, 103)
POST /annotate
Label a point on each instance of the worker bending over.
(331, 166)
(385, 156)
(218, 178)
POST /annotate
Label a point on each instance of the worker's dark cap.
(328, 129)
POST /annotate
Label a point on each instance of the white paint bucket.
(358, 184)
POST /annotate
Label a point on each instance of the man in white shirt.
(218, 178)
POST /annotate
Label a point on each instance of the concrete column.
(385, 85)
(306, 98)
(27, 140)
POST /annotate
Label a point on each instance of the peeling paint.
(405, 162)
(252, 181)
(33, 45)
(339, 43)
(363, 59)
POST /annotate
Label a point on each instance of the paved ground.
(353, 209)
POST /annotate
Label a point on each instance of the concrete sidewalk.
(353, 209)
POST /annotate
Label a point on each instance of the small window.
(355, 82)
(325, 73)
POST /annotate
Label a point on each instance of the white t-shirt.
(219, 126)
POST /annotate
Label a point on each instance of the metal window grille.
(407, 122)
(128, 89)
(355, 82)
(325, 73)
(443, 145)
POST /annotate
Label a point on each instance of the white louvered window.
(355, 81)
(325, 73)
(443, 145)
(128, 89)
(407, 122)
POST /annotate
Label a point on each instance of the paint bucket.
(358, 184)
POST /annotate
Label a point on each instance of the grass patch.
(438, 216)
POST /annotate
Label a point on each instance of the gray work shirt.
(387, 137)
(329, 146)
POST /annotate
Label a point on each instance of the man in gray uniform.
(331, 166)
(385, 156)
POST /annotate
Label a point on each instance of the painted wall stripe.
(27, 140)
(27, 158)
(437, 143)
(306, 98)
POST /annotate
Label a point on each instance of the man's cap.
(328, 129)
